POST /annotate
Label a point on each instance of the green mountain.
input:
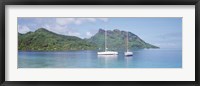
(43, 39)
(116, 40)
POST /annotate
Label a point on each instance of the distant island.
(44, 40)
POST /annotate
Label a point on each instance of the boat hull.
(128, 53)
(107, 53)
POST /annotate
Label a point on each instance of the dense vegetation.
(44, 40)
(116, 40)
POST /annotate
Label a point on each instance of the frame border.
(98, 2)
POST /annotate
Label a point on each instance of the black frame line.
(3, 3)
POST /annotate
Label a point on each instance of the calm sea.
(145, 58)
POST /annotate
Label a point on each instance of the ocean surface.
(144, 58)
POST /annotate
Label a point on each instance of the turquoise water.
(147, 58)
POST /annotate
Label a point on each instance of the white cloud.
(23, 29)
(78, 21)
(88, 34)
(59, 29)
(73, 33)
(48, 27)
(65, 21)
(62, 26)
(104, 19)
(91, 19)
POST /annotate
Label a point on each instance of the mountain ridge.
(117, 37)
(45, 40)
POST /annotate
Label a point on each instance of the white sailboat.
(107, 52)
(127, 53)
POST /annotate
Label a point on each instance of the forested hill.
(44, 40)
(116, 40)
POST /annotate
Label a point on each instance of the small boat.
(127, 53)
(107, 52)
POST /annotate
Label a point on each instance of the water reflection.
(90, 59)
(107, 56)
(107, 60)
(128, 60)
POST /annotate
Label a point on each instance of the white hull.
(107, 53)
(128, 53)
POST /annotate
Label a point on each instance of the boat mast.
(127, 41)
(105, 41)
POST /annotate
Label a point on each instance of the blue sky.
(163, 32)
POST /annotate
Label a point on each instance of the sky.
(163, 32)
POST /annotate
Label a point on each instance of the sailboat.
(127, 53)
(107, 52)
